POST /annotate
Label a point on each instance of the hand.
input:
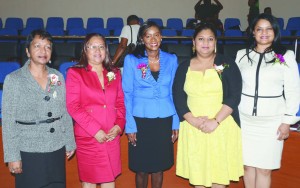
(69, 154)
(132, 138)
(200, 120)
(209, 126)
(283, 131)
(15, 167)
(113, 132)
(174, 135)
(100, 136)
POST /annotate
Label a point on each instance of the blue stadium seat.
(169, 33)
(117, 33)
(56, 32)
(232, 24)
(233, 33)
(187, 33)
(188, 21)
(76, 32)
(14, 23)
(93, 23)
(63, 68)
(8, 32)
(6, 68)
(281, 23)
(141, 21)
(285, 33)
(102, 31)
(175, 23)
(74, 23)
(36, 23)
(114, 23)
(293, 24)
(55, 22)
(158, 21)
(1, 24)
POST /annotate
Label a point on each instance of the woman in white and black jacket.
(269, 102)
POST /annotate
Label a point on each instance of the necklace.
(154, 62)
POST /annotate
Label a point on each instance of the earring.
(215, 48)
(49, 62)
(193, 49)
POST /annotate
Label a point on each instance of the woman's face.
(39, 50)
(205, 42)
(152, 39)
(263, 33)
(95, 51)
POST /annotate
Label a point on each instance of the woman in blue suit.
(151, 120)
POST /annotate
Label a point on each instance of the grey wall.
(143, 8)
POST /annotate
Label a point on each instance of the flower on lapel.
(54, 81)
(220, 69)
(111, 76)
(143, 67)
(279, 59)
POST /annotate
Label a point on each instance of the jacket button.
(52, 130)
(49, 114)
(104, 106)
(46, 98)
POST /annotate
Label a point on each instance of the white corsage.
(111, 76)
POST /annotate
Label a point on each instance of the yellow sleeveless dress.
(204, 158)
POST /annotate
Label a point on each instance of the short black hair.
(132, 18)
(38, 32)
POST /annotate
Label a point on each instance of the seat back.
(6, 68)
(9, 51)
(158, 21)
(93, 23)
(232, 24)
(169, 33)
(8, 32)
(73, 23)
(175, 23)
(14, 23)
(63, 68)
(233, 33)
(114, 23)
(187, 33)
(36, 23)
(55, 22)
(281, 23)
(293, 24)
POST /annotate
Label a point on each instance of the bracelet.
(216, 121)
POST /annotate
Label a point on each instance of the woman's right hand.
(132, 138)
(101, 136)
(15, 167)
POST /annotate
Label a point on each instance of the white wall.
(143, 8)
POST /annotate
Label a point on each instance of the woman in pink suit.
(95, 100)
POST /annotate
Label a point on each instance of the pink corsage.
(279, 59)
(54, 81)
(143, 67)
(220, 69)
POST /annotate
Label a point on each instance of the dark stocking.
(157, 179)
(141, 180)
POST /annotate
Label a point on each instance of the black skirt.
(154, 150)
(42, 170)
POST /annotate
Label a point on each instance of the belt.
(50, 120)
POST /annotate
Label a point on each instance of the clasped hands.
(204, 124)
(102, 137)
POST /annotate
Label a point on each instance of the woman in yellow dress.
(206, 93)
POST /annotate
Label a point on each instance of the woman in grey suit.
(37, 130)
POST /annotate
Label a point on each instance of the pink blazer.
(91, 107)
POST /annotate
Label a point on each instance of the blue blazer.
(146, 97)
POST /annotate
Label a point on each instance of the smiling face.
(152, 39)
(39, 50)
(263, 33)
(205, 42)
(95, 51)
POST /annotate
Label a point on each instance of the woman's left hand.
(113, 132)
(283, 131)
(69, 154)
(174, 135)
(209, 125)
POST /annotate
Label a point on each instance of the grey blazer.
(24, 100)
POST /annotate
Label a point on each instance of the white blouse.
(269, 89)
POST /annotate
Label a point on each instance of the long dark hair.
(276, 44)
(83, 62)
(139, 50)
(204, 26)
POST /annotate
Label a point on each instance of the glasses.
(96, 47)
(41, 47)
